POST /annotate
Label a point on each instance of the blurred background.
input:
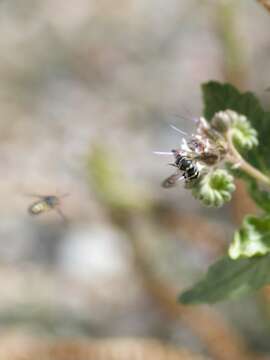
(88, 90)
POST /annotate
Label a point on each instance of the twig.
(213, 239)
(265, 3)
(204, 322)
(249, 169)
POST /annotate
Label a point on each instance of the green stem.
(236, 158)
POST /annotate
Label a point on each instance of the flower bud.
(222, 120)
(243, 134)
(215, 188)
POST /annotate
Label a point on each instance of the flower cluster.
(201, 157)
(243, 134)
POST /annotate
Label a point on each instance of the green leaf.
(253, 238)
(219, 97)
(228, 279)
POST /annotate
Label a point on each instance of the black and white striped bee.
(187, 169)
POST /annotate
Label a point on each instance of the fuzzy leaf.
(228, 279)
(253, 238)
(219, 97)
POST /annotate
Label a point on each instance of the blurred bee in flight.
(47, 203)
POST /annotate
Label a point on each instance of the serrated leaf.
(228, 279)
(253, 238)
(219, 97)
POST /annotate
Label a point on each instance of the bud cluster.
(207, 150)
(243, 134)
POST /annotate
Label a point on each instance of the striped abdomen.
(39, 207)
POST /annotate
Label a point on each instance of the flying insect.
(46, 203)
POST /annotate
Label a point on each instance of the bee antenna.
(178, 130)
(163, 152)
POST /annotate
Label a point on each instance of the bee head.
(51, 200)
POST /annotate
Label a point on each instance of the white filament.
(178, 130)
(163, 152)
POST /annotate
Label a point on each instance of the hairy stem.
(236, 158)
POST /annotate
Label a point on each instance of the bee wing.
(172, 180)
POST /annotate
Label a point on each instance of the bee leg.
(63, 217)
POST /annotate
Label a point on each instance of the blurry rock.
(99, 256)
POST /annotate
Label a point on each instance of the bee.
(46, 203)
(187, 169)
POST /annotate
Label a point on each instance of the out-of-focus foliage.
(228, 279)
(111, 184)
